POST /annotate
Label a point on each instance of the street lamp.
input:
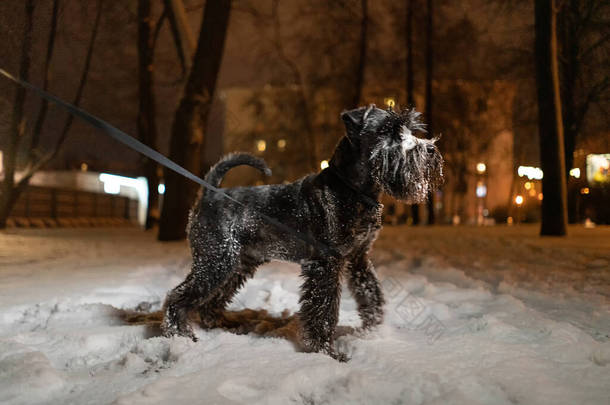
(575, 172)
(261, 145)
(519, 202)
(390, 102)
(481, 192)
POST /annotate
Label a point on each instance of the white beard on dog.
(408, 140)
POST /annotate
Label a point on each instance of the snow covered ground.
(473, 316)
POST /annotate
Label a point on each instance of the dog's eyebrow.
(404, 129)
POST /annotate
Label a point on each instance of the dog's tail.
(218, 171)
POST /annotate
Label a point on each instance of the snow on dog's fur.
(338, 208)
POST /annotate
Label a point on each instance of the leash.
(150, 153)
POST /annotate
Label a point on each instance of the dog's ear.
(354, 119)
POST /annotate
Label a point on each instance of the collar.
(365, 198)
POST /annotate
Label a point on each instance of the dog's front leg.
(320, 297)
(366, 290)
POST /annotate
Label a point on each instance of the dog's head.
(387, 147)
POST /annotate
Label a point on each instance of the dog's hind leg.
(365, 288)
(320, 298)
(206, 276)
(176, 307)
(211, 310)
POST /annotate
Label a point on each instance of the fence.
(44, 206)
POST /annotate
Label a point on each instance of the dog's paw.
(339, 356)
(185, 331)
(336, 354)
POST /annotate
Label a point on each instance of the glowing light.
(161, 188)
(540, 196)
(389, 101)
(575, 172)
(509, 220)
(281, 144)
(129, 187)
(481, 190)
(481, 167)
(598, 168)
(532, 193)
(84, 166)
(323, 164)
(111, 187)
(532, 173)
(527, 185)
(584, 190)
(261, 145)
(519, 200)
(113, 183)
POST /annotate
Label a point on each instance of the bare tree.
(181, 33)
(361, 62)
(10, 191)
(429, 92)
(191, 118)
(297, 79)
(12, 188)
(583, 30)
(147, 129)
(44, 104)
(410, 80)
(550, 126)
(466, 118)
(324, 69)
(583, 36)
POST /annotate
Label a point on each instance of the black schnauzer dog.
(337, 208)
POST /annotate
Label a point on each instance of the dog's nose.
(430, 148)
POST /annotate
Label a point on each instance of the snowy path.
(474, 316)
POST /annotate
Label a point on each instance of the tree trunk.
(191, 118)
(550, 127)
(10, 194)
(302, 103)
(147, 130)
(429, 99)
(361, 63)
(409, 41)
(568, 75)
(8, 197)
(181, 33)
(410, 80)
(44, 104)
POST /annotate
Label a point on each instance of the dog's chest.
(361, 227)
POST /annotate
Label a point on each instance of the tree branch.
(158, 26)
(585, 54)
(182, 38)
(298, 80)
(44, 104)
(77, 99)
